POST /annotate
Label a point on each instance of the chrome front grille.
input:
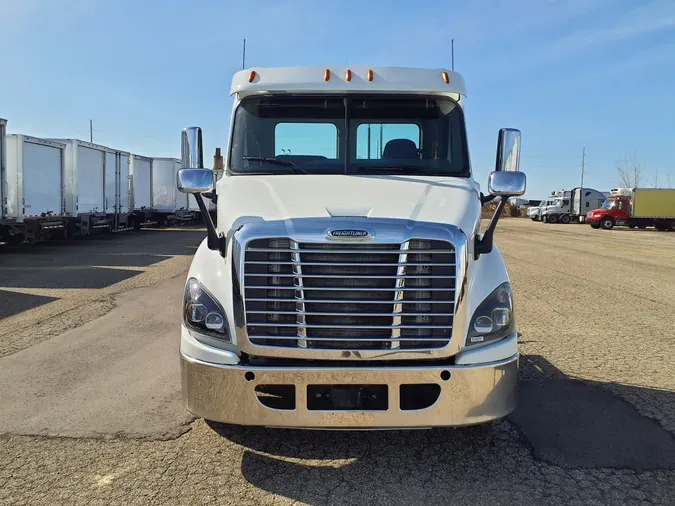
(352, 296)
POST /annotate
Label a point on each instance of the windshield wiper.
(276, 161)
(399, 167)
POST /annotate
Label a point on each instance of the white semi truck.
(347, 283)
(571, 206)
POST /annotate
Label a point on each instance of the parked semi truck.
(347, 283)
(534, 212)
(572, 206)
(636, 207)
(35, 184)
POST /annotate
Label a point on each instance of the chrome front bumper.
(473, 394)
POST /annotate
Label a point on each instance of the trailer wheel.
(607, 223)
(631, 226)
(671, 226)
(565, 219)
(642, 226)
(553, 218)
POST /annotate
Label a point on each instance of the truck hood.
(453, 201)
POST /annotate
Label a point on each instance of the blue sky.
(569, 74)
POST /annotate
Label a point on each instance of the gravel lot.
(90, 408)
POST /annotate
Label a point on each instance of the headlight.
(493, 320)
(202, 313)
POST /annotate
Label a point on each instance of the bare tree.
(630, 171)
(669, 178)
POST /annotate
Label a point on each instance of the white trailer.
(35, 188)
(142, 213)
(5, 223)
(167, 202)
(85, 186)
(117, 189)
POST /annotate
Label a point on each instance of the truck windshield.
(608, 204)
(371, 134)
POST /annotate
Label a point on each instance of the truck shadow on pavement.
(91, 263)
(568, 423)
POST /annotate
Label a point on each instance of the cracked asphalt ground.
(90, 407)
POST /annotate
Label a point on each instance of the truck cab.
(560, 206)
(348, 283)
(614, 210)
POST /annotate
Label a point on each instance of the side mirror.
(507, 184)
(506, 181)
(194, 178)
(508, 150)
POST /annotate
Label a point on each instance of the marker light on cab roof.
(348, 75)
(251, 76)
(369, 75)
(326, 75)
(446, 77)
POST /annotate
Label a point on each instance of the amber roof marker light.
(446, 77)
(369, 75)
(348, 75)
(326, 74)
(251, 76)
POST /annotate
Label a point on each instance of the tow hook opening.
(276, 396)
(419, 396)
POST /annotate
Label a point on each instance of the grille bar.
(347, 289)
(318, 313)
(349, 296)
(409, 264)
(349, 301)
(339, 276)
(342, 251)
(348, 339)
(308, 326)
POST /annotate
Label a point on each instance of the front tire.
(553, 218)
(607, 223)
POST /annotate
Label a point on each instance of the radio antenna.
(243, 57)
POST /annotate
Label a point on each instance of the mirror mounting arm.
(484, 244)
(214, 241)
(484, 199)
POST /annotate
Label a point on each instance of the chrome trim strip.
(398, 295)
(300, 306)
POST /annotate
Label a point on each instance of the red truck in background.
(636, 207)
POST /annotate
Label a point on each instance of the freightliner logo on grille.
(349, 233)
